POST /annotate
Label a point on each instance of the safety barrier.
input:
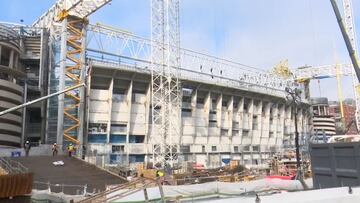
(12, 185)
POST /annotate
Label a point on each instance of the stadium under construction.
(226, 110)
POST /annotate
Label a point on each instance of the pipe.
(40, 99)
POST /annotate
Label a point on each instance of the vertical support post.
(82, 90)
(60, 121)
(24, 116)
(128, 126)
(110, 93)
(165, 62)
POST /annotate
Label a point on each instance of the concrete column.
(230, 110)
(111, 88)
(147, 114)
(275, 117)
(219, 111)
(265, 124)
(280, 137)
(147, 125)
(60, 122)
(24, 116)
(11, 59)
(193, 111)
(128, 126)
(250, 115)
(82, 90)
(207, 103)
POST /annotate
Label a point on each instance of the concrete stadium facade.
(11, 92)
(217, 123)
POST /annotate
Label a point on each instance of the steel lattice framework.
(67, 19)
(166, 98)
(72, 63)
(111, 45)
(351, 31)
(320, 72)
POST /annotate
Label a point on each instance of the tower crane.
(348, 32)
(67, 20)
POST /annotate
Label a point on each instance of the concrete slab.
(74, 174)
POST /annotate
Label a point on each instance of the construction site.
(90, 112)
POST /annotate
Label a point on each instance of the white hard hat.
(55, 143)
(27, 141)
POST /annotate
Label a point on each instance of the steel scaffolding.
(166, 98)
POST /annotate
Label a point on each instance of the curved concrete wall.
(11, 123)
(11, 94)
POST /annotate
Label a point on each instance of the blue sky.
(259, 33)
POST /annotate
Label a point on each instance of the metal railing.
(63, 188)
(11, 166)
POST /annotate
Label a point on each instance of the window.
(185, 112)
(203, 148)
(200, 100)
(117, 148)
(235, 124)
(271, 134)
(246, 108)
(212, 123)
(136, 139)
(117, 128)
(236, 149)
(255, 148)
(255, 123)
(246, 148)
(245, 133)
(5, 56)
(213, 148)
(34, 115)
(97, 128)
(271, 121)
(223, 132)
(185, 149)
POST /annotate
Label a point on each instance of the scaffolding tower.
(166, 90)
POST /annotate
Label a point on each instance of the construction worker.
(70, 149)
(27, 147)
(54, 149)
(160, 176)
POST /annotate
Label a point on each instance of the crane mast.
(166, 90)
(68, 20)
(348, 33)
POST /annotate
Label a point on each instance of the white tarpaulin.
(213, 189)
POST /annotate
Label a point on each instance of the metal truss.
(72, 63)
(166, 90)
(321, 72)
(118, 46)
(351, 31)
(76, 8)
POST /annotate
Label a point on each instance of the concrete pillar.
(128, 126)
(230, 111)
(110, 94)
(207, 104)
(193, 111)
(11, 59)
(147, 114)
(60, 121)
(219, 111)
